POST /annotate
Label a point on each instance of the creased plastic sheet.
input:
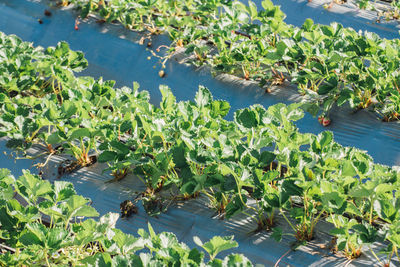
(113, 53)
(189, 218)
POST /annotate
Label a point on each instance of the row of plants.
(331, 65)
(52, 228)
(385, 11)
(259, 164)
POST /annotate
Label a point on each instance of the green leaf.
(127, 243)
(203, 97)
(56, 237)
(168, 99)
(220, 108)
(151, 231)
(51, 114)
(99, 259)
(36, 233)
(178, 152)
(63, 190)
(107, 156)
(277, 234)
(6, 188)
(235, 206)
(76, 206)
(360, 192)
(348, 169)
(311, 107)
(120, 147)
(86, 9)
(68, 109)
(291, 188)
(34, 186)
(267, 4)
(384, 188)
(237, 260)
(334, 201)
(30, 238)
(308, 25)
(86, 211)
(246, 118)
(61, 49)
(266, 158)
(79, 133)
(54, 138)
(294, 113)
(216, 245)
(252, 10)
(325, 138)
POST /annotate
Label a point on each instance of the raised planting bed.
(190, 218)
(257, 170)
(114, 53)
(331, 65)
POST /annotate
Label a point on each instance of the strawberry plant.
(392, 249)
(67, 240)
(269, 198)
(307, 216)
(346, 240)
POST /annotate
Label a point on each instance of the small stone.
(47, 13)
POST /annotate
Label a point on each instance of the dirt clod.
(127, 208)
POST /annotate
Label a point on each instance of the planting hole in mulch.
(69, 166)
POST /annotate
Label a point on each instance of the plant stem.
(314, 222)
(371, 211)
(47, 260)
(391, 255)
(251, 216)
(287, 220)
(376, 257)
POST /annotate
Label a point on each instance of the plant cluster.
(50, 229)
(259, 164)
(329, 64)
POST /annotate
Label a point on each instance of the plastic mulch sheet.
(114, 53)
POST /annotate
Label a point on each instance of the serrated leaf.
(203, 97)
